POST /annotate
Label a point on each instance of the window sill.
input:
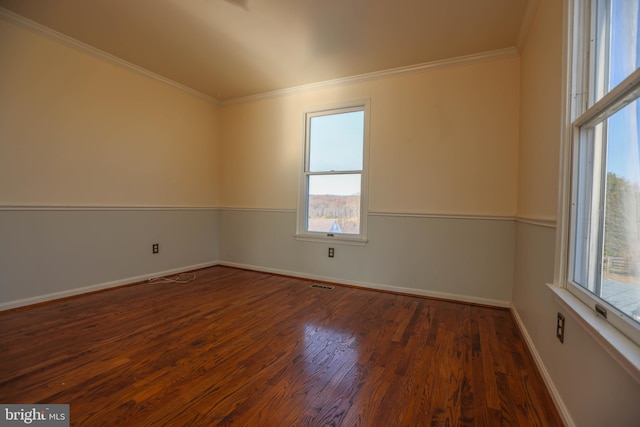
(334, 240)
(623, 350)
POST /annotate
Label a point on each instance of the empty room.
(310, 213)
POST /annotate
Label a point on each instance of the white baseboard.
(555, 395)
(379, 286)
(100, 286)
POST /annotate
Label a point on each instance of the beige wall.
(77, 130)
(442, 141)
(541, 116)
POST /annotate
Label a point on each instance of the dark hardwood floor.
(243, 348)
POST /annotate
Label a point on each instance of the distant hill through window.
(327, 210)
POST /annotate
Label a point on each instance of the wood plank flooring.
(243, 348)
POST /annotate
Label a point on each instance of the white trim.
(104, 208)
(444, 215)
(339, 239)
(100, 286)
(621, 348)
(479, 217)
(494, 55)
(541, 222)
(545, 222)
(239, 209)
(378, 286)
(555, 394)
(86, 48)
(560, 268)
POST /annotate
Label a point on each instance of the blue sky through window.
(336, 142)
(623, 146)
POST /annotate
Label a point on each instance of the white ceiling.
(228, 49)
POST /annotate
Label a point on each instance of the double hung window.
(333, 188)
(604, 238)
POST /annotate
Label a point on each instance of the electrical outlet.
(560, 327)
(155, 248)
(331, 252)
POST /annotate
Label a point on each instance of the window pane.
(586, 246)
(616, 43)
(621, 253)
(336, 142)
(333, 205)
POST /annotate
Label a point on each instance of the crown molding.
(510, 52)
(86, 48)
(494, 55)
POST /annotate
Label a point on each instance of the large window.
(604, 247)
(332, 200)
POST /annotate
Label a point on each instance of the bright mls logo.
(38, 415)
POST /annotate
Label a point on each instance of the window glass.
(334, 203)
(621, 252)
(609, 234)
(336, 142)
(615, 44)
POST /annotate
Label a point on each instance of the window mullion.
(617, 98)
(346, 172)
(581, 257)
(597, 208)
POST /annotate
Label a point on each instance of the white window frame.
(617, 334)
(344, 238)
